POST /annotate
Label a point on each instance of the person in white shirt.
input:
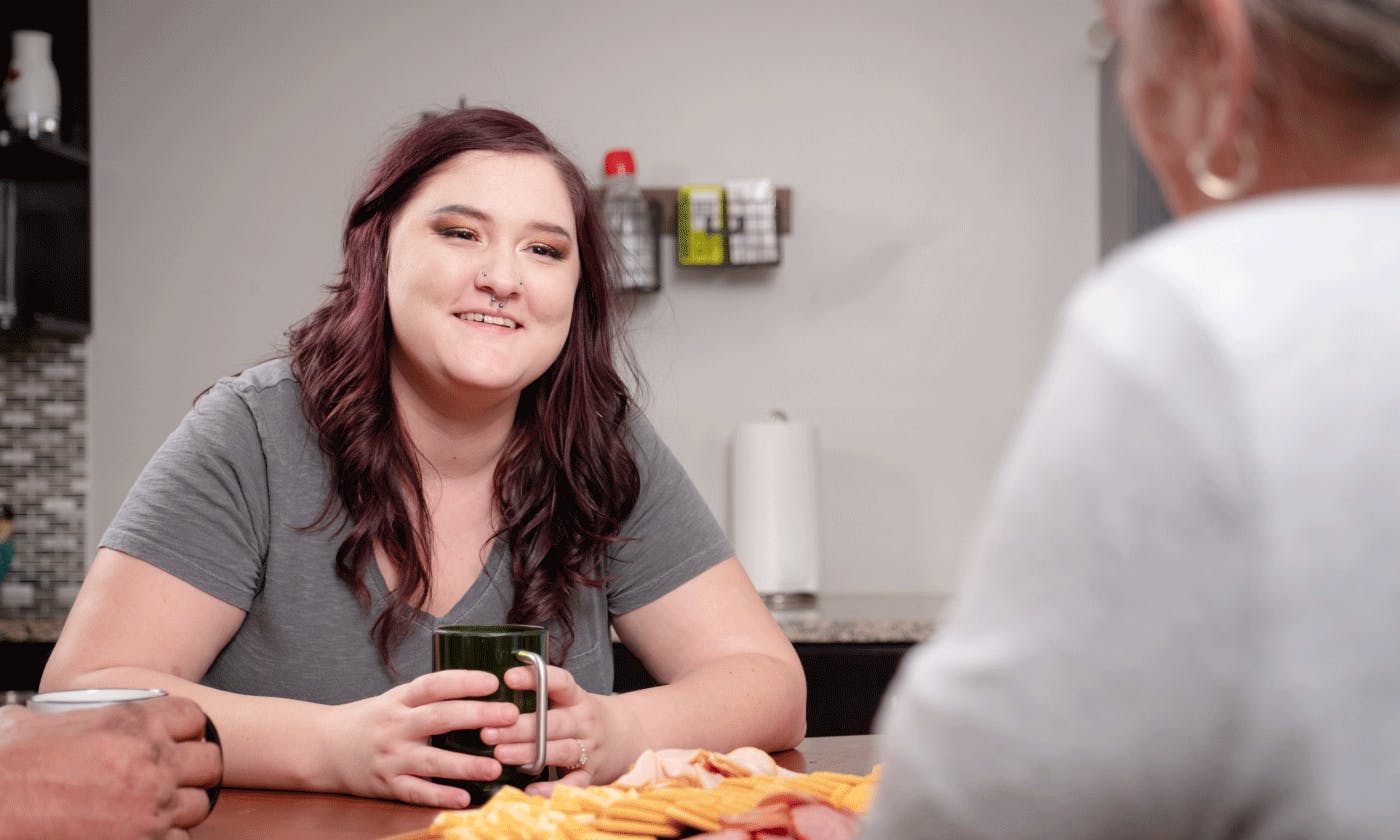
(1181, 612)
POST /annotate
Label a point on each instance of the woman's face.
(483, 224)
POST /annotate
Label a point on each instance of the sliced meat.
(762, 818)
(645, 770)
(790, 799)
(754, 760)
(823, 822)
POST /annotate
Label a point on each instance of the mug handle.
(212, 736)
(541, 709)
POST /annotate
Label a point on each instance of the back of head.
(1328, 81)
(1231, 98)
(1354, 45)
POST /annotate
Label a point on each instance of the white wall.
(941, 157)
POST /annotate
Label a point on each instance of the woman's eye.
(459, 233)
(550, 251)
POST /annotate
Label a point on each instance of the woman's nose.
(496, 277)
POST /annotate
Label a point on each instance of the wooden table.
(259, 814)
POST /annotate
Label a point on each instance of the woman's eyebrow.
(485, 218)
(550, 227)
(462, 210)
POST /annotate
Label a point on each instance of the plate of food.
(693, 794)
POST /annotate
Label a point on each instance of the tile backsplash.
(43, 470)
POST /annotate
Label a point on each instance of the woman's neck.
(454, 439)
(1321, 138)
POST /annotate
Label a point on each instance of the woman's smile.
(482, 318)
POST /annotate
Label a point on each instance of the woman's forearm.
(268, 742)
(746, 699)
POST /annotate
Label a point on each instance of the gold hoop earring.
(1221, 187)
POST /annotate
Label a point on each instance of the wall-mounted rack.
(665, 199)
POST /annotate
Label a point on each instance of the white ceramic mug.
(73, 700)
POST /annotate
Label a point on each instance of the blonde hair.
(1355, 42)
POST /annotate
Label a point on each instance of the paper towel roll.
(773, 505)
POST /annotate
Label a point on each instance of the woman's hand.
(379, 746)
(583, 740)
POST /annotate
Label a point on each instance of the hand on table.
(379, 747)
(133, 770)
(583, 742)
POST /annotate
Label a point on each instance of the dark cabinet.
(45, 193)
(845, 682)
(22, 664)
(45, 231)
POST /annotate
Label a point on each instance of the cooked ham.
(823, 822)
(793, 815)
(757, 762)
(762, 818)
(646, 769)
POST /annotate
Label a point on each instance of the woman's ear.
(1230, 62)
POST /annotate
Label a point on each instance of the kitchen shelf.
(45, 187)
(22, 159)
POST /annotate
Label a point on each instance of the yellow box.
(700, 225)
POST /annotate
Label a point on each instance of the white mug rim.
(78, 698)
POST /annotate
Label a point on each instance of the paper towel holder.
(783, 590)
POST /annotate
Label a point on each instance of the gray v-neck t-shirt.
(224, 505)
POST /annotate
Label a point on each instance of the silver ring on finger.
(582, 757)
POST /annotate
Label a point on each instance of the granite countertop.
(29, 629)
(836, 618)
(864, 619)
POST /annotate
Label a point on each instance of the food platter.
(696, 794)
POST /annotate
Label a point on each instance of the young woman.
(447, 442)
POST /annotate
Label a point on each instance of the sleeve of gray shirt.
(1088, 682)
(199, 509)
(671, 534)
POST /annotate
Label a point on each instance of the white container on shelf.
(31, 86)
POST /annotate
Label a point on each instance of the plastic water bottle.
(629, 220)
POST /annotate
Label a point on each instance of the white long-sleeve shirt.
(1182, 617)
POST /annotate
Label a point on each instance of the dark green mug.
(495, 648)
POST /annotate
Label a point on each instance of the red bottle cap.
(619, 162)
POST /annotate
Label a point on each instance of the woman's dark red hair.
(566, 480)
